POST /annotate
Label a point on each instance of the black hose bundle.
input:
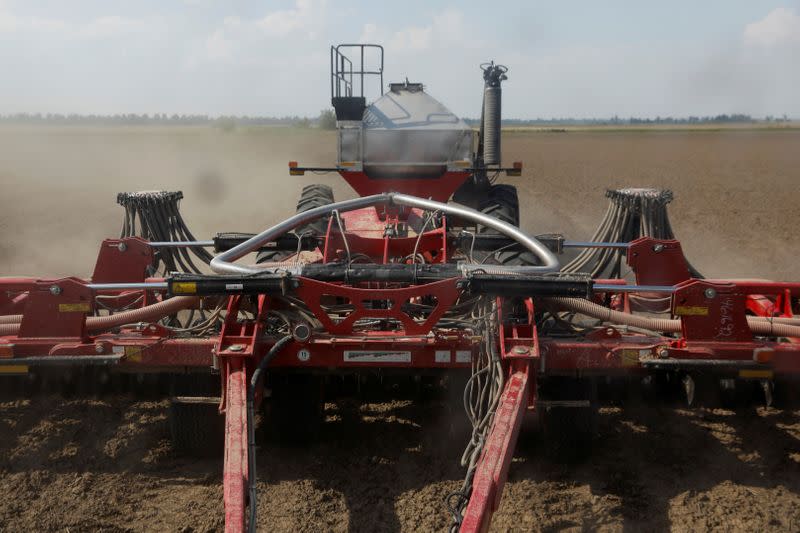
(155, 216)
(632, 213)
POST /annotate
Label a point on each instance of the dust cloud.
(736, 192)
(734, 210)
(60, 184)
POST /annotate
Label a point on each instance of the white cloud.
(443, 53)
(114, 26)
(232, 64)
(244, 41)
(370, 33)
(220, 45)
(447, 27)
(104, 27)
(10, 23)
(781, 26)
(412, 38)
(306, 17)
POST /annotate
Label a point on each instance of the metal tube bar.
(181, 244)
(156, 286)
(610, 287)
(223, 263)
(585, 244)
(734, 363)
(61, 360)
(549, 261)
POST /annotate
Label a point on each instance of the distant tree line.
(736, 118)
(327, 120)
(147, 119)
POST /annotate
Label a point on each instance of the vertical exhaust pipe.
(493, 75)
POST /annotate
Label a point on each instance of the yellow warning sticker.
(691, 310)
(134, 354)
(756, 374)
(13, 369)
(82, 307)
(184, 287)
(629, 357)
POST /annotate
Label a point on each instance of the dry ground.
(106, 464)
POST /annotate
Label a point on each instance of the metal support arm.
(492, 469)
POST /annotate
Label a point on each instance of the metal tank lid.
(408, 106)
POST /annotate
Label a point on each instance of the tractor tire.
(313, 196)
(502, 203)
(196, 427)
(296, 410)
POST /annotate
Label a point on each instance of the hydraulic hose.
(251, 429)
(159, 219)
(758, 325)
(144, 314)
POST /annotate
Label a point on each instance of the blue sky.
(566, 58)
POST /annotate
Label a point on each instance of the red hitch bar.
(492, 469)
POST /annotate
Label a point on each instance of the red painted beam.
(492, 469)
(235, 473)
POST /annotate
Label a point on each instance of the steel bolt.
(301, 332)
(55, 290)
(610, 332)
(236, 348)
(658, 248)
(663, 353)
(98, 348)
(710, 293)
(122, 247)
(520, 350)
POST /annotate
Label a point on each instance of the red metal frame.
(492, 469)
(712, 313)
(439, 189)
(122, 260)
(235, 471)
(312, 292)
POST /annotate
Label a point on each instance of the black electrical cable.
(251, 430)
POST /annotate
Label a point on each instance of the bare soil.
(69, 464)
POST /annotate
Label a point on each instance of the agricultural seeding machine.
(424, 276)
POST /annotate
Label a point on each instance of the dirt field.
(106, 464)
